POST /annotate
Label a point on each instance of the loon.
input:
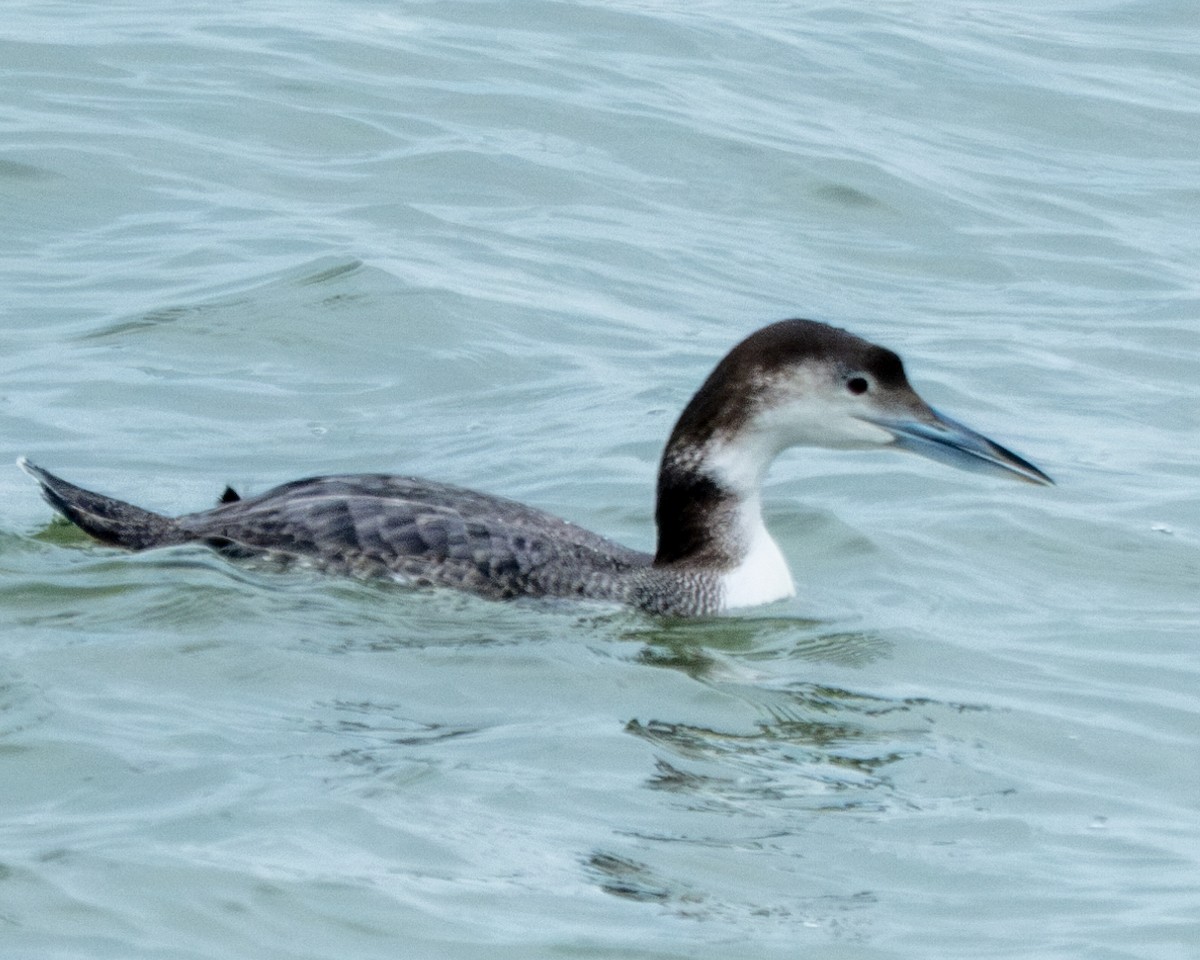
(793, 383)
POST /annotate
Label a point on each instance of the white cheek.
(741, 460)
(830, 422)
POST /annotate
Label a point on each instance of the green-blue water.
(499, 244)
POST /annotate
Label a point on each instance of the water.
(499, 244)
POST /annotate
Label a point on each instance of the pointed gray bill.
(951, 442)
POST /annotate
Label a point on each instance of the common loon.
(793, 383)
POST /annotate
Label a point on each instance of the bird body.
(793, 383)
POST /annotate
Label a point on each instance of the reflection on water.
(793, 743)
(631, 879)
(787, 744)
(710, 664)
(623, 877)
(697, 648)
(804, 738)
(830, 763)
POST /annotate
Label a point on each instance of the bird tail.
(105, 518)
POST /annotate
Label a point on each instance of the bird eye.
(858, 385)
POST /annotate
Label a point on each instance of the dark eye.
(858, 385)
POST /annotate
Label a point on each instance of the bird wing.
(378, 524)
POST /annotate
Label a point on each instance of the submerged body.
(793, 383)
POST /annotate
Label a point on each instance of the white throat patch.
(762, 576)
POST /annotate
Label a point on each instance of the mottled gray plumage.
(426, 533)
(422, 533)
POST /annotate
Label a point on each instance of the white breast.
(763, 575)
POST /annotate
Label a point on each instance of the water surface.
(499, 245)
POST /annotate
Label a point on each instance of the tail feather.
(107, 519)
